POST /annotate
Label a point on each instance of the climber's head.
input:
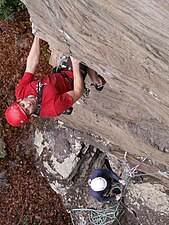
(98, 184)
(18, 113)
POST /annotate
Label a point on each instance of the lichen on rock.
(3, 151)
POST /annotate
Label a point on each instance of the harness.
(70, 80)
(40, 92)
(63, 66)
(59, 69)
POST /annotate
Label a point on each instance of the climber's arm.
(116, 177)
(77, 92)
(33, 57)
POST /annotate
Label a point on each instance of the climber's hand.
(122, 182)
(74, 61)
(118, 197)
(34, 29)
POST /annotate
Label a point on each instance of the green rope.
(110, 215)
(147, 174)
(103, 216)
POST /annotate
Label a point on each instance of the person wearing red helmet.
(15, 115)
(50, 96)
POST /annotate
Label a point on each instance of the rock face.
(67, 163)
(127, 43)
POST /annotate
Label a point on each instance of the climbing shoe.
(99, 87)
(68, 111)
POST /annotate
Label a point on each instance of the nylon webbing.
(40, 92)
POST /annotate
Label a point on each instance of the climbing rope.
(101, 216)
(113, 213)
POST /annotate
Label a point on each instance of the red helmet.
(15, 115)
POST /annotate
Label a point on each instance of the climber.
(100, 185)
(50, 96)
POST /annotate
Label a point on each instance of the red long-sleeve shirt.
(55, 100)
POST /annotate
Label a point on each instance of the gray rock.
(66, 162)
(3, 151)
(127, 43)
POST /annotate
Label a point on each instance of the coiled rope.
(111, 214)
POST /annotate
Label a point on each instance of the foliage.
(26, 221)
(8, 8)
(25, 197)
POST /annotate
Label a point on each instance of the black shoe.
(68, 111)
(99, 87)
